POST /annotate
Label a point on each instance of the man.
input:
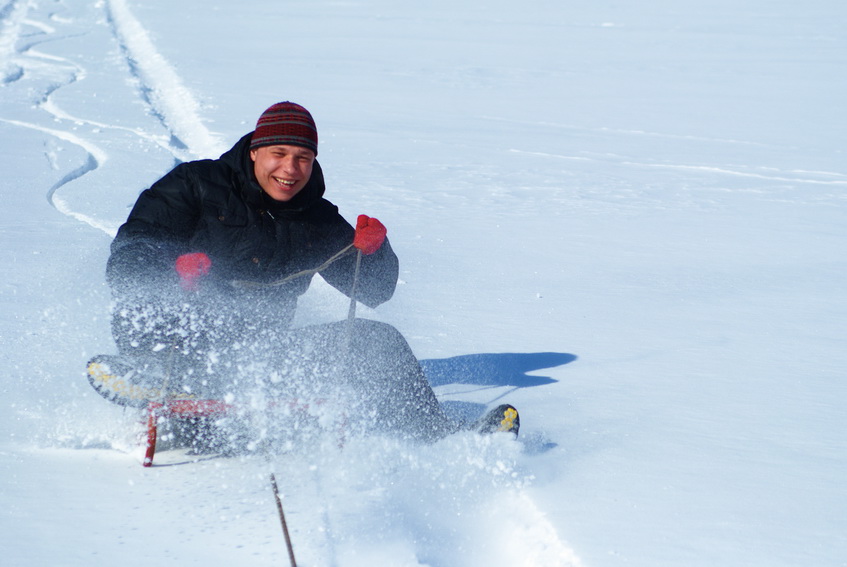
(207, 270)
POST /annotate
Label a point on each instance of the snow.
(627, 220)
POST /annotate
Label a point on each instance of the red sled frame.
(187, 409)
(180, 409)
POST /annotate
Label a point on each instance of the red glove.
(192, 267)
(370, 234)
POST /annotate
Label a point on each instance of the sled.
(177, 409)
(157, 412)
(140, 384)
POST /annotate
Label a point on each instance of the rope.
(242, 284)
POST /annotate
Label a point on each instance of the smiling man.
(207, 270)
(257, 215)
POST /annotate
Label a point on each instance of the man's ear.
(253, 154)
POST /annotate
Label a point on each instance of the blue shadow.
(502, 369)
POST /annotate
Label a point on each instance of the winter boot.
(128, 381)
(503, 418)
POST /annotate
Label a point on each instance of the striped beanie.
(285, 123)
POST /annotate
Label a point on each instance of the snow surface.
(628, 219)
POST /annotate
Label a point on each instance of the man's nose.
(289, 164)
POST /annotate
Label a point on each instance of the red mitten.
(370, 234)
(192, 267)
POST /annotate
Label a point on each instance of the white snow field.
(629, 219)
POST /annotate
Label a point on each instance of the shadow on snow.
(503, 369)
(493, 371)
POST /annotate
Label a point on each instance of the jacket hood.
(238, 158)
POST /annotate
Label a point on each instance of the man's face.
(282, 171)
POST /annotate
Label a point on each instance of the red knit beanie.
(285, 123)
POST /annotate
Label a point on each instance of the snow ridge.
(173, 103)
(94, 158)
(11, 17)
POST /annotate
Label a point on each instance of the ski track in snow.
(170, 100)
(11, 19)
(769, 174)
(95, 157)
(159, 85)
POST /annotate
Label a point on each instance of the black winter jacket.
(218, 207)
